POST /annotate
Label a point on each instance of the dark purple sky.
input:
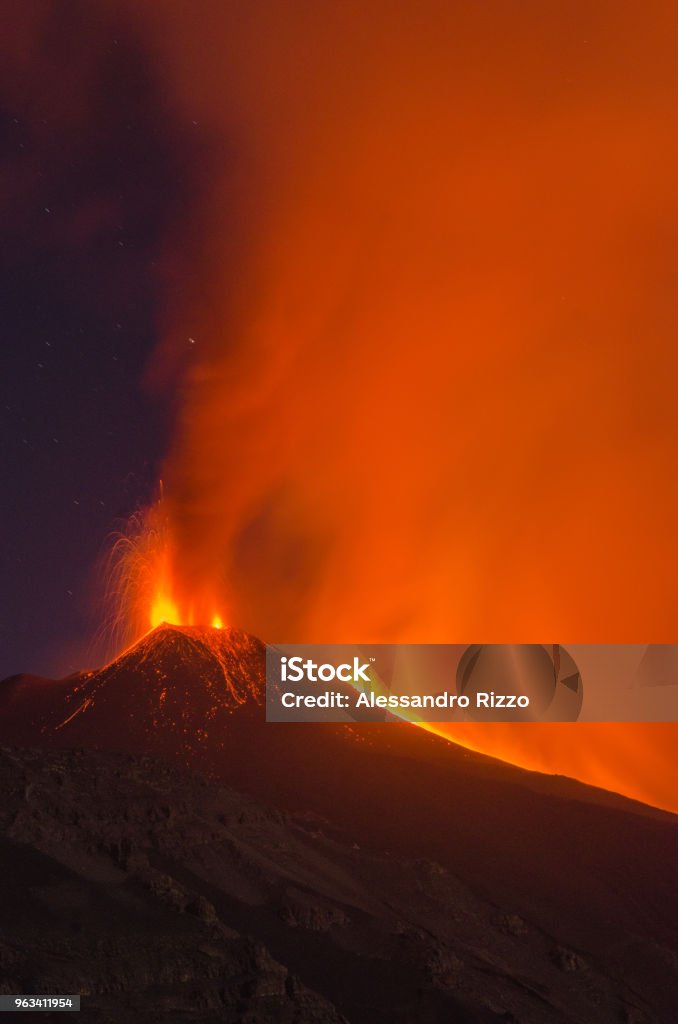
(95, 182)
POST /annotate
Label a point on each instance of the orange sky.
(432, 396)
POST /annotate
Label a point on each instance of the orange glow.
(141, 579)
(433, 394)
(164, 609)
(638, 760)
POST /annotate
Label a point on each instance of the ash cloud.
(432, 392)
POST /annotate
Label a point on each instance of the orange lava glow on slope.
(637, 759)
(432, 394)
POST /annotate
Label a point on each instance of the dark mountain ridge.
(592, 874)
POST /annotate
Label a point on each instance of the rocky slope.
(162, 896)
(217, 867)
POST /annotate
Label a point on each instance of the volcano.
(497, 893)
(172, 693)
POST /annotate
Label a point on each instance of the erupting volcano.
(174, 690)
(385, 294)
(400, 292)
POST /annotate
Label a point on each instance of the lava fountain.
(142, 584)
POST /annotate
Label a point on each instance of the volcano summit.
(171, 692)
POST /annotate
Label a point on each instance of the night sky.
(96, 180)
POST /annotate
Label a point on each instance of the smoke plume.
(428, 354)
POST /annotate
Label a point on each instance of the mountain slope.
(162, 897)
(593, 872)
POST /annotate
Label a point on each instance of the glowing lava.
(143, 586)
(164, 609)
